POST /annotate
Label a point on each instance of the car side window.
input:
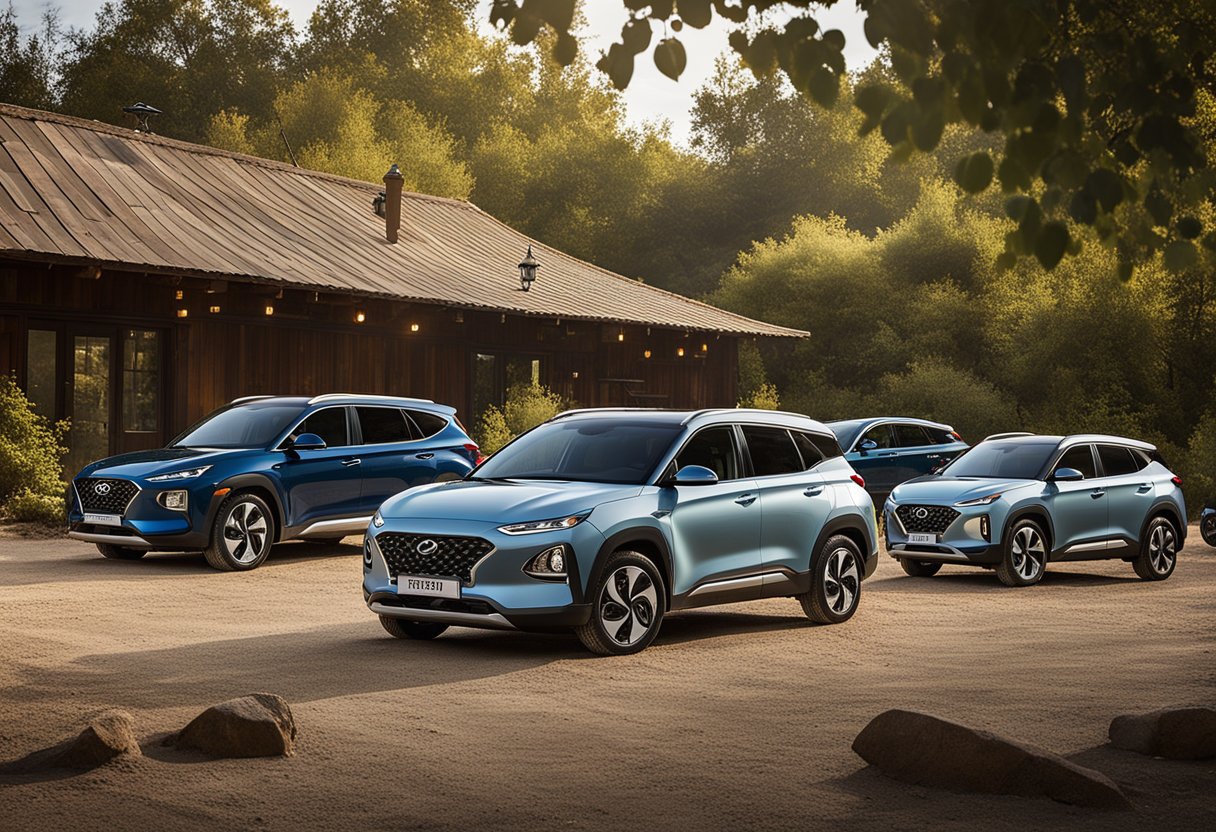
(1117, 460)
(910, 436)
(940, 436)
(381, 425)
(329, 424)
(811, 455)
(772, 451)
(880, 435)
(428, 424)
(1081, 458)
(712, 448)
(828, 447)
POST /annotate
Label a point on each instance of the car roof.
(873, 420)
(698, 417)
(1073, 439)
(343, 399)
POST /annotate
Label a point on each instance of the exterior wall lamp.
(527, 270)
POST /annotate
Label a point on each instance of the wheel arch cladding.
(847, 525)
(644, 541)
(1036, 513)
(1168, 510)
(263, 488)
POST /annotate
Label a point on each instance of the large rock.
(929, 751)
(1176, 733)
(257, 725)
(108, 735)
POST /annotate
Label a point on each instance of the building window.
(494, 375)
(140, 381)
(40, 371)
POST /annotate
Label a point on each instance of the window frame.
(747, 452)
(1055, 462)
(742, 462)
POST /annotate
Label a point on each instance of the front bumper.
(499, 594)
(961, 542)
(145, 524)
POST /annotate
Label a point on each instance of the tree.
(27, 64)
(1098, 101)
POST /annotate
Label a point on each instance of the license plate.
(922, 538)
(104, 519)
(430, 587)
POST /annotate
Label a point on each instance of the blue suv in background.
(1016, 503)
(602, 521)
(889, 450)
(265, 469)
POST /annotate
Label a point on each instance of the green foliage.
(526, 406)
(31, 448)
(1198, 466)
(764, 397)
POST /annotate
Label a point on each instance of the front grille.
(453, 557)
(105, 496)
(926, 519)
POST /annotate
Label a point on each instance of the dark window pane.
(881, 435)
(910, 436)
(486, 387)
(584, 450)
(712, 448)
(772, 451)
(940, 436)
(245, 426)
(1116, 461)
(382, 424)
(90, 434)
(1080, 458)
(40, 372)
(329, 424)
(428, 423)
(811, 455)
(140, 380)
(1142, 458)
(1015, 460)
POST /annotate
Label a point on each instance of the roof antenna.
(142, 113)
(283, 136)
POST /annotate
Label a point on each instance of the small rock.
(929, 751)
(108, 735)
(257, 725)
(1176, 733)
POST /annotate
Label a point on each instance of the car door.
(1078, 509)
(916, 453)
(326, 483)
(876, 465)
(715, 528)
(393, 457)
(1129, 494)
(795, 501)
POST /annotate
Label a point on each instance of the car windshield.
(584, 450)
(846, 432)
(247, 426)
(1004, 460)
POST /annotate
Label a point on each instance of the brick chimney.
(393, 181)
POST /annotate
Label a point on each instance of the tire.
(628, 607)
(109, 550)
(1207, 529)
(1158, 551)
(241, 534)
(919, 568)
(835, 583)
(1025, 557)
(417, 630)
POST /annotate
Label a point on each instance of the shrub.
(527, 405)
(31, 447)
(763, 397)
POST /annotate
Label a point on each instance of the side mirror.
(867, 445)
(308, 442)
(694, 475)
(1067, 475)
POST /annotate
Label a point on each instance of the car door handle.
(891, 453)
(813, 491)
(1097, 492)
(349, 462)
(1144, 488)
(423, 456)
(745, 499)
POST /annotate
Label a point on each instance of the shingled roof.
(79, 191)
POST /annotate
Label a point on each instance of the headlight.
(537, 526)
(377, 519)
(981, 501)
(550, 564)
(189, 473)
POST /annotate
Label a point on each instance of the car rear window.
(772, 451)
(1117, 460)
(382, 425)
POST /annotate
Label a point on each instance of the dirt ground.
(737, 717)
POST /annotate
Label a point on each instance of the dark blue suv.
(889, 450)
(265, 469)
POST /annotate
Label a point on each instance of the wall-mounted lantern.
(527, 270)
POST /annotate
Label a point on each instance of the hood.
(158, 461)
(947, 490)
(502, 501)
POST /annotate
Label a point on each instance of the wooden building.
(145, 281)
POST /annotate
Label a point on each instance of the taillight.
(475, 453)
(955, 434)
(857, 478)
(1176, 480)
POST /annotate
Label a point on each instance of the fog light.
(549, 564)
(173, 500)
(367, 552)
(985, 529)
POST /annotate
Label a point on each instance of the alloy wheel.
(628, 605)
(841, 580)
(1029, 553)
(245, 532)
(1162, 548)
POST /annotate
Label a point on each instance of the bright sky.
(651, 96)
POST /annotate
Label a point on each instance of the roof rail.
(707, 410)
(576, 411)
(325, 397)
(1009, 435)
(251, 398)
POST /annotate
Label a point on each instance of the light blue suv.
(602, 521)
(1017, 502)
